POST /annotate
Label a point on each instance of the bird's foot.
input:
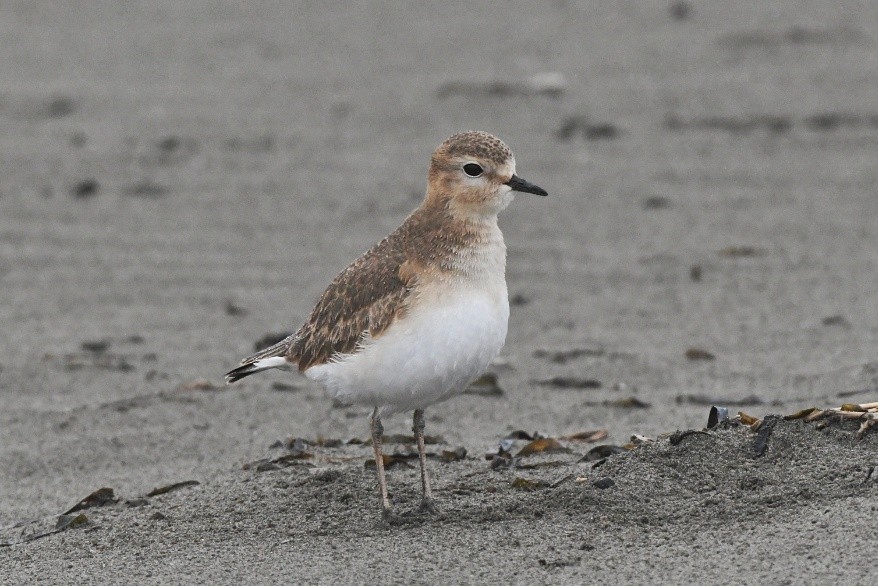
(389, 517)
(427, 507)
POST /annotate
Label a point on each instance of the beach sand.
(180, 180)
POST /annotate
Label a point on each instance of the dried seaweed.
(172, 487)
(528, 484)
(99, 498)
(587, 436)
(602, 452)
(565, 356)
(628, 403)
(569, 382)
(678, 436)
(865, 413)
(455, 455)
(545, 445)
(486, 385)
(694, 354)
(694, 399)
(550, 84)
(764, 434)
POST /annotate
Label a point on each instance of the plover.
(422, 313)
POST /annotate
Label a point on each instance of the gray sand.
(177, 180)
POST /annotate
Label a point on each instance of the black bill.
(519, 184)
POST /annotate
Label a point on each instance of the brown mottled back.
(374, 291)
(365, 297)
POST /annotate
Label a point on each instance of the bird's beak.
(519, 184)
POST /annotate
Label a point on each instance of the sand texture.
(179, 180)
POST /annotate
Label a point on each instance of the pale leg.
(377, 433)
(418, 428)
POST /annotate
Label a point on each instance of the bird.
(420, 315)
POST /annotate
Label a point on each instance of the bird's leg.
(427, 505)
(377, 433)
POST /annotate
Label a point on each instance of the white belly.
(431, 354)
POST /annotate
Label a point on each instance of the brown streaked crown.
(474, 143)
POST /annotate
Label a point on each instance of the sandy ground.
(178, 180)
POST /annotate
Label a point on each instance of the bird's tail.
(254, 367)
(271, 357)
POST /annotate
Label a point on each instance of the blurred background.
(180, 179)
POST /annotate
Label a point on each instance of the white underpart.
(426, 358)
(448, 338)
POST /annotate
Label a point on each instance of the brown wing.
(371, 293)
(365, 297)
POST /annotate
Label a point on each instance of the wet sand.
(177, 181)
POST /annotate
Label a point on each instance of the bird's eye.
(473, 170)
